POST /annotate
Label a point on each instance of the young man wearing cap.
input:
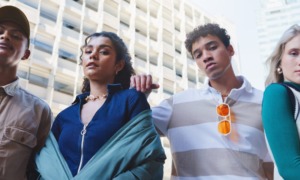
(25, 119)
(207, 143)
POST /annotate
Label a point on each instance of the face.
(290, 61)
(13, 45)
(99, 60)
(211, 56)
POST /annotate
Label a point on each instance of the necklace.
(93, 98)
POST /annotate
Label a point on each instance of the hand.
(143, 83)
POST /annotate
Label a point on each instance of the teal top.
(281, 130)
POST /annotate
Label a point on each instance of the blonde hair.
(274, 59)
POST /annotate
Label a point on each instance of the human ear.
(26, 54)
(230, 50)
(119, 66)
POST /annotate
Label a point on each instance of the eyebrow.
(210, 43)
(206, 45)
(101, 46)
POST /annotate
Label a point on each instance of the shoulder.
(189, 95)
(132, 93)
(277, 96)
(254, 95)
(276, 93)
(134, 100)
(33, 99)
(75, 104)
(248, 93)
(275, 89)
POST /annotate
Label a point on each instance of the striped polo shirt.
(189, 120)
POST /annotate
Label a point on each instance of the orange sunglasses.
(224, 124)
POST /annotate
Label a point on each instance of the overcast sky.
(243, 14)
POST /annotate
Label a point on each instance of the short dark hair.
(123, 76)
(203, 31)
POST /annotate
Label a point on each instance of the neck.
(225, 85)
(7, 77)
(98, 89)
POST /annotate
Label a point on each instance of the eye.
(16, 35)
(212, 47)
(87, 51)
(104, 52)
(294, 53)
(1, 30)
(198, 55)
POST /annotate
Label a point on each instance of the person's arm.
(162, 115)
(42, 134)
(281, 131)
(44, 128)
(269, 170)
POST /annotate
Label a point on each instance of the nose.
(298, 60)
(94, 55)
(4, 35)
(206, 55)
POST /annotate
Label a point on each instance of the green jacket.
(134, 152)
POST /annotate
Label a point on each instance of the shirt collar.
(11, 88)
(246, 86)
(111, 89)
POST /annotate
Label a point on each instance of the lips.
(5, 45)
(91, 65)
(209, 65)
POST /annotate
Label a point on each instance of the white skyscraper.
(276, 16)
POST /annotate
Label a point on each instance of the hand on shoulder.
(143, 83)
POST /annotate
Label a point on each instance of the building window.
(38, 80)
(43, 46)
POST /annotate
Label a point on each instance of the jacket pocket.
(20, 136)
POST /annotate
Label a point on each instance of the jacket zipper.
(83, 132)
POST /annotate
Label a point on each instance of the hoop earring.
(279, 70)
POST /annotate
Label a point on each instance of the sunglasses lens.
(224, 127)
(223, 110)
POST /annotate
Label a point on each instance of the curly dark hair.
(123, 76)
(203, 31)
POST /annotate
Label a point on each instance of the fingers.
(154, 86)
(132, 82)
(136, 81)
(143, 83)
(148, 82)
